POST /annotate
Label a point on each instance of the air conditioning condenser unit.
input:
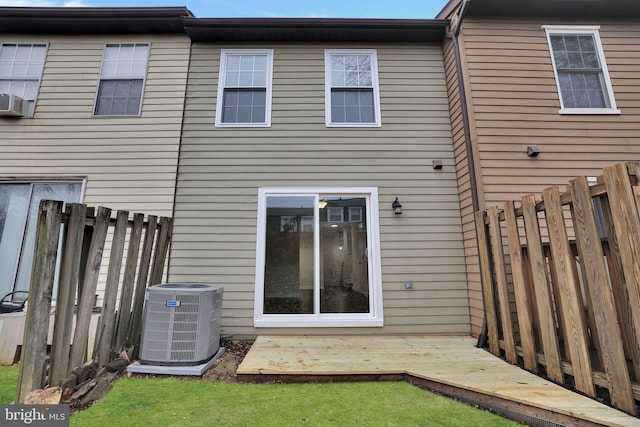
(181, 324)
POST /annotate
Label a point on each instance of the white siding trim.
(594, 31)
(375, 317)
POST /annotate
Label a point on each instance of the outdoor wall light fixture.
(437, 164)
(533, 151)
(397, 207)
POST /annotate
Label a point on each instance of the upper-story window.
(21, 66)
(351, 89)
(244, 88)
(580, 70)
(122, 76)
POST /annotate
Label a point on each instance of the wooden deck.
(449, 365)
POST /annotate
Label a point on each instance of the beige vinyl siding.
(516, 104)
(221, 170)
(129, 162)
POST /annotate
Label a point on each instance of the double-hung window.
(580, 70)
(21, 67)
(122, 77)
(351, 88)
(244, 88)
(313, 268)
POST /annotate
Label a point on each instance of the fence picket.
(162, 246)
(106, 328)
(501, 283)
(541, 288)
(67, 285)
(128, 281)
(620, 294)
(487, 284)
(624, 215)
(601, 296)
(525, 316)
(34, 347)
(135, 330)
(569, 294)
(90, 282)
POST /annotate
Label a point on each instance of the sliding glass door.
(18, 221)
(318, 259)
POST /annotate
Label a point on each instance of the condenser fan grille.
(182, 324)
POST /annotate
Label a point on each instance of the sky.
(419, 9)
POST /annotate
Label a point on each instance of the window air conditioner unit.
(11, 105)
(181, 324)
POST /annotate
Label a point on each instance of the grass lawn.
(8, 383)
(177, 402)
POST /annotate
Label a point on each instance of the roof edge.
(94, 12)
(314, 29)
(93, 20)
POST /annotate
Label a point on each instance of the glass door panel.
(289, 255)
(14, 204)
(65, 192)
(344, 278)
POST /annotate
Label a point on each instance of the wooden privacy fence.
(561, 283)
(83, 233)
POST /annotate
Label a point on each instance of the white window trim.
(224, 53)
(594, 31)
(375, 317)
(144, 81)
(374, 80)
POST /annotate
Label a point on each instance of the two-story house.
(316, 179)
(91, 111)
(540, 92)
(308, 163)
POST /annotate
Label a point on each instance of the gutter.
(314, 30)
(453, 36)
(88, 20)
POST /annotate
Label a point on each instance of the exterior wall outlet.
(408, 285)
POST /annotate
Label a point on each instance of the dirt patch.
(226, 367)
(223, 369)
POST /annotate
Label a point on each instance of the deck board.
(451, 361)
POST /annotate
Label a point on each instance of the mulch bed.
(223, 369)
